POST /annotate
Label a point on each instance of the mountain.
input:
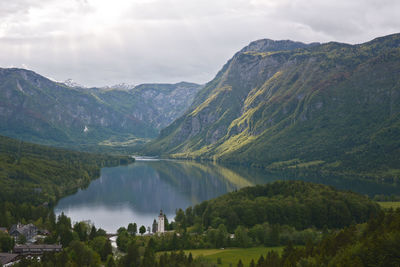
(120, 86)
(288, 105)
(72, 83)
(34, 108)
(156, 104)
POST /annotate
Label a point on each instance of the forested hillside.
(376, 243)
(295, 203)
(34, 177)
(280, 106)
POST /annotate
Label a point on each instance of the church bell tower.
(161, 222)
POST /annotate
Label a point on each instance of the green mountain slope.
(295, 203)
(31, 175)
(36, 109)
(333, 105)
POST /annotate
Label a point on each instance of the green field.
(232, 255)
(389, 204)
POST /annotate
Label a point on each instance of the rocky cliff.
(287, 104)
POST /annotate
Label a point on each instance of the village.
(28, 243)
(28, 240)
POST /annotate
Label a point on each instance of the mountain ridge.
(35, 108)
(293, 107)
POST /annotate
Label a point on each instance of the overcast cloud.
(103, 42)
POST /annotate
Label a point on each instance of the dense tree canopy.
(295, 203)
(34, 177)
(376, 243)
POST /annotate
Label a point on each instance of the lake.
(137, 192)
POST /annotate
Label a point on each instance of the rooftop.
(7, 258)
(40, 246)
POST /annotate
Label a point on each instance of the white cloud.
(97, 42)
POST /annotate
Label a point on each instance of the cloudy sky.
(104, 42)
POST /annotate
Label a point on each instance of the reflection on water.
(137, 192)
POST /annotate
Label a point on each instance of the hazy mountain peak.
(73, 84)
(120, 86)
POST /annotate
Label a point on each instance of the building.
(161, 228)
(29, 231)
(7, 259)
(3, 229)
(36, 249)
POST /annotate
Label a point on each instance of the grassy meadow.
(232, 255)
(389, 204)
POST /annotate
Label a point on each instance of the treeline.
(294, 203)
(385, 198)
(34, 177)
(259, 235)
(376, 243)
(269, 215)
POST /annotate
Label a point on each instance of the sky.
(103, 42)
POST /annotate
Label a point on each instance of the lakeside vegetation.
(294, 203)
(194, 234)
(34, 177)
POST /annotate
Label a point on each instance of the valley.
(290, 156)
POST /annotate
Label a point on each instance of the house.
(7, 259)
(32, 249)
(3, 229)
(43, 232)
(29, 231)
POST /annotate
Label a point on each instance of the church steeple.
(161, 222)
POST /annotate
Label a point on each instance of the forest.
(34, 177)
(295, 203)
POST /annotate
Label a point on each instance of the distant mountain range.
(34, 108)
(289, 105)
(120, 86)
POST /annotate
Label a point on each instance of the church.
(159, 227)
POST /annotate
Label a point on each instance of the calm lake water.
(137, 192)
